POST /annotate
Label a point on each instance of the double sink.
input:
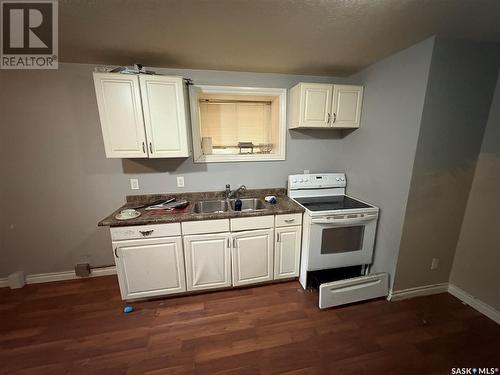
(218, 206)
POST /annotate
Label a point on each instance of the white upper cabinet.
(347, 106)
(164, 116)
(315, 106)
(318, 105)
(142, 115)
(120, 111)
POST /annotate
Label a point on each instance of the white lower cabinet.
(287, 252)
(208, 261)
(252, 256)
(150, 267)
(154, 260)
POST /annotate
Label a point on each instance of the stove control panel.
(316, 181)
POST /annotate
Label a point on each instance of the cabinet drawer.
(288, 219)
(249, 223)
(352, 290)
(145, 231)
(205, 226)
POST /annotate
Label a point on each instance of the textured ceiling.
(330, 37)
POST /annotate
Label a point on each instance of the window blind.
(230, 123)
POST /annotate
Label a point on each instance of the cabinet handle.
(334, 117)
(289, 220)
(234, 243)
(329, 118)
(277, 237)
(143, 148)
(146, 232)
(116, 254)
(228, 243)
(150, 147)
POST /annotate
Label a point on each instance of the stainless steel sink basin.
(249, 204)
(210, 207)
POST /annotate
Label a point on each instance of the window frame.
(199, 157)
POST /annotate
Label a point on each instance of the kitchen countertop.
(284, 206)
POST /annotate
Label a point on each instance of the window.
(238, 123)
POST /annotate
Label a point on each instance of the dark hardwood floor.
(78, 327)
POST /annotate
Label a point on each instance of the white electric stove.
(338, 231)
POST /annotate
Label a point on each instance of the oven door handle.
(361, 220)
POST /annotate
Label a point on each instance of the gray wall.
(477, 258)
(379, 156)
(58, 183)
(461, 83)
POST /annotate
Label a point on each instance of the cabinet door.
(252, 256)
(287, 252)
(347, 102)
(208, 261)
(150, 267)
(164, 115)
(316, 104)
(120, 112)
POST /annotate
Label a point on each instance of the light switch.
(180, 181)
(134, 184)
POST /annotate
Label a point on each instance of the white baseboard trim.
(37, 278)
(475, 303)
(425, 290)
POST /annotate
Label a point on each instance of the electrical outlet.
(435, 263)
(306, 171)
(180, 181)
(134, 184)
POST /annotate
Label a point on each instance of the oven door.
(341, 242)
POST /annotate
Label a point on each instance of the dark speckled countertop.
(284, 206)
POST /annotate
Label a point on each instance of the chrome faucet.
(230, 194)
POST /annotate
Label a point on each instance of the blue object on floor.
(128, 309)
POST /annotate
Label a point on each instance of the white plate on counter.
(122, 216)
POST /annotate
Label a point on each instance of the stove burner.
(331, 203)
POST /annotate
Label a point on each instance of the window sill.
(239, 158)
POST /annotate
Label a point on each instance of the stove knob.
(306, 180)
(301, 180)
(337, 179)
(294, 180)
(342, 178)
